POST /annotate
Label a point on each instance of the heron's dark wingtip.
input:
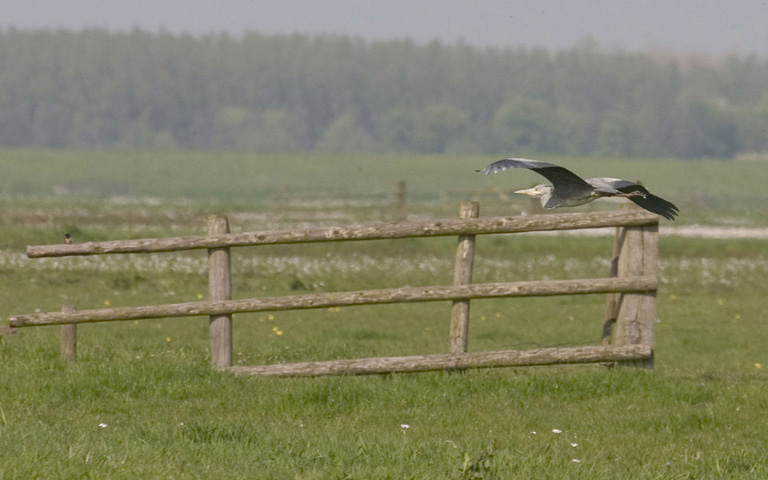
(657, 205)
(668, 213)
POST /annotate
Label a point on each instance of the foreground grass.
(167, 418)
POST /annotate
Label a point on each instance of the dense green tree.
(346, 134)
(615, 136)
(705, 130)
(438, 125)
(753, 126)
(397, 129)
(526, 124)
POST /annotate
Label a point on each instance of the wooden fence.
(627, 329)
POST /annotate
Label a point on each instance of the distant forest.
(140, 90)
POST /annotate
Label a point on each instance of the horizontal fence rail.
(345, 299)
(447, 227)
(448, 361)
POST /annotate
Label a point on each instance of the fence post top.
(469, 209)
(217, 218)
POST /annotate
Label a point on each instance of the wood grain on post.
(373, 231)
(462, 275)
(220, 289)
(68, 337)
(508, 358)
(638, 256)
(538, 288)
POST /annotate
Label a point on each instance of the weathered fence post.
(220, 288)
(462, 275)
(68, 337)
(535, 207)
(638, 256)
(400, 215)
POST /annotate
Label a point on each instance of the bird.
(67, 238)
(570, 190)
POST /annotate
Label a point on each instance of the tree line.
(254, 92)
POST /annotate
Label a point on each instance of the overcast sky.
(706, 26)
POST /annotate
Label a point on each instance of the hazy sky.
(707, 26)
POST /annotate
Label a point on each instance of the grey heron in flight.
(570, 190)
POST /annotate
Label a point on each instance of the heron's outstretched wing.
(564, 180)
(647, 200)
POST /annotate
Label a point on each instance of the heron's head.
(537, 191)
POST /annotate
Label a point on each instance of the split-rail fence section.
(627, 328)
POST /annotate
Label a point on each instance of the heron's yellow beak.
(530, 191)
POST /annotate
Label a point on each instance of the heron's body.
(570, 190)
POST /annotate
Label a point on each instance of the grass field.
(714, 185)
(143, 402)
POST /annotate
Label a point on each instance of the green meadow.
(143, 402)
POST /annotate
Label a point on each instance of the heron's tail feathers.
(656, 205)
